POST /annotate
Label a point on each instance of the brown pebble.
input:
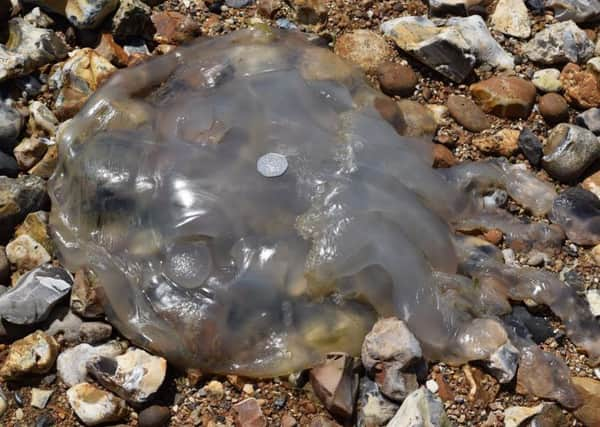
(467, 113)
(553, 108)
(154, 416)
(365, 48)
(582, 88)
(396, 79)
(503, 96)
(494, 236)
(442, 157)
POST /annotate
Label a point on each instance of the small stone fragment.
(559, 43)
(581, 87)
(110, 50)
(511, 17)
(25, 253)
(456, 7)
(135, 376)
(502, 363)
(593, 295)
(451, 46)
(174, 27)
(335, 384)
(77, 79)
(546, 376)
(577, 211)
(365, 48)
(420, 408)
(467, 113)
(249, 414)
(553, 108)
(373, 408)
(592, 184)
(443, 157)
(34, 295)
(214, 389)
(83, 14)
(86, 295)
(30, 48)
(66, 324)
(94, 406)
(531, 146)
(396, 79)
(589, 119)
(29, 152)
(45, 167)
(40, 398)
(94, 332)
(547, 80)
(154, 416)
(11, 124)
(515, 416)
(569, 151)
(36, 226)
(416, 119)
(509, 97)
(42, 118)
(132, 19)
(589, 389)
(390, 341)
(34, 354)
(71, 363)
(502, 143)
(576, 10)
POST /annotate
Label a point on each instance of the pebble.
(443, 157)
(553, 108)
(590, 391)
(577, 211)
(396, 79)
(547, 80)
(41, 117)
(36, 226)
(508, 97)
(580, 86)
(510, 17)
(95, 406)
(18, 197)
(531, 146)
(593, 298)
(11, 124)
(589, 119)
(569, 151)
(420, 408)
(249, 414)
(25, 253)
(467, 113)
(416, 119)
(373, 408)
(45, 167)
(110, 50)
(559, 43)
(40, 397)
(94, 332)
(505, 142)
(515, 416)
(432, 386)
(71, 363)
(132, 19)
(310, 12)
(592, 183)
(135, 376)
(453, 48)
(85, 296)
(32, 48)
(575, 10)
(154, 416)
(365, 48)
(174, 27)
(335, 383)
(34, 354)
(34, 295)
(77, 78)
(214, 389)
(83, 14)
(596, 255)
(29, 152)
(268, 8)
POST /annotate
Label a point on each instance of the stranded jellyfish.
(248, 204)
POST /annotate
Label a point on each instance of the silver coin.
(272, 165)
